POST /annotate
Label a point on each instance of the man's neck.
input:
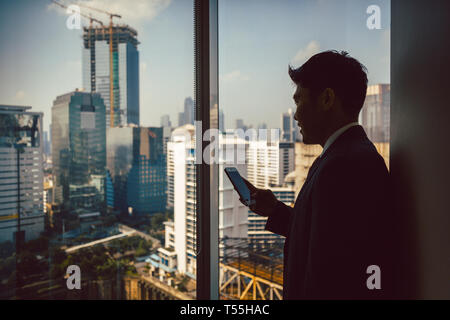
(332, 129)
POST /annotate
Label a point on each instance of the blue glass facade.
(137, 164)
(109, 191)
(79, 150)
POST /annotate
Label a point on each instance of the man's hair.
(337, 71)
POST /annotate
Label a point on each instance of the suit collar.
(351, 134)
(354, 133)
(336, 135)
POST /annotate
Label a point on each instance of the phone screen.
(239, 184)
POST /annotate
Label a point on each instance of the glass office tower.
(137, 166)
(79, 151)
(21, 173)
(123, 71)
(289, 129)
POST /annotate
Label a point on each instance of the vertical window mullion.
(206, 95)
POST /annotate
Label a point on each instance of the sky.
(40, 58)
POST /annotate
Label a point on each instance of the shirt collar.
(335, 135)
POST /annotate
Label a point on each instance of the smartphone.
(239, 185)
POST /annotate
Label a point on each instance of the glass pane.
(258, 39)
(96, 150)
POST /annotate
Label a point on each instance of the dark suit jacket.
(340, 224)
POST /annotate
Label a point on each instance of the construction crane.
(91, 20)
(111, 15)
(111, 73)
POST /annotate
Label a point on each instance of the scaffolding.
(251, 269)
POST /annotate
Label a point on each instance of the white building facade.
(21, 173)
(181, 234)
(269, 162)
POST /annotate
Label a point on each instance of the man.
(338, 232)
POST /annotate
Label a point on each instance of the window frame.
(206, 94)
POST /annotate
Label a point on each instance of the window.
(257, 42)
(99, 151)
(108, 169)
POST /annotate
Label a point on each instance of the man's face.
(307, 115)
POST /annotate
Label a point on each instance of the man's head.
(331, 89)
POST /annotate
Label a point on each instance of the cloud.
(20, 95)
(233, 76)
(305, 53)
(132, 11)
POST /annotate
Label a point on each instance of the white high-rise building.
(257, 223)
(21, 173)
(179, 135)
(270, 164)
(269, 161)
(233, 218)
(181, 234)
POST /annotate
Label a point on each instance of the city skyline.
(42, 46)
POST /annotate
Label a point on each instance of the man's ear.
(327, 99)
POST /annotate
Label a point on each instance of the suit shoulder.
(362, 158)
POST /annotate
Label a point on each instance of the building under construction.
(111, 68)
(111, 65)
(251, 269)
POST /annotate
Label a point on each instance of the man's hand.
(264, 200)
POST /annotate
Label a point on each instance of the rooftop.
(4, 107)
(122, 34)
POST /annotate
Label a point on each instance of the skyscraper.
(240, 124)
(262, 126)
(21, 173)
(289, 129)
(181, 120)
(112, 69)
(375, 114)
(181, 168)
(79, 150)
(137, 166)
(188, 114)
(257, 223)
(189, 111)
(268, 162)
(165, 121)
(46, 144)
(217, 118)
